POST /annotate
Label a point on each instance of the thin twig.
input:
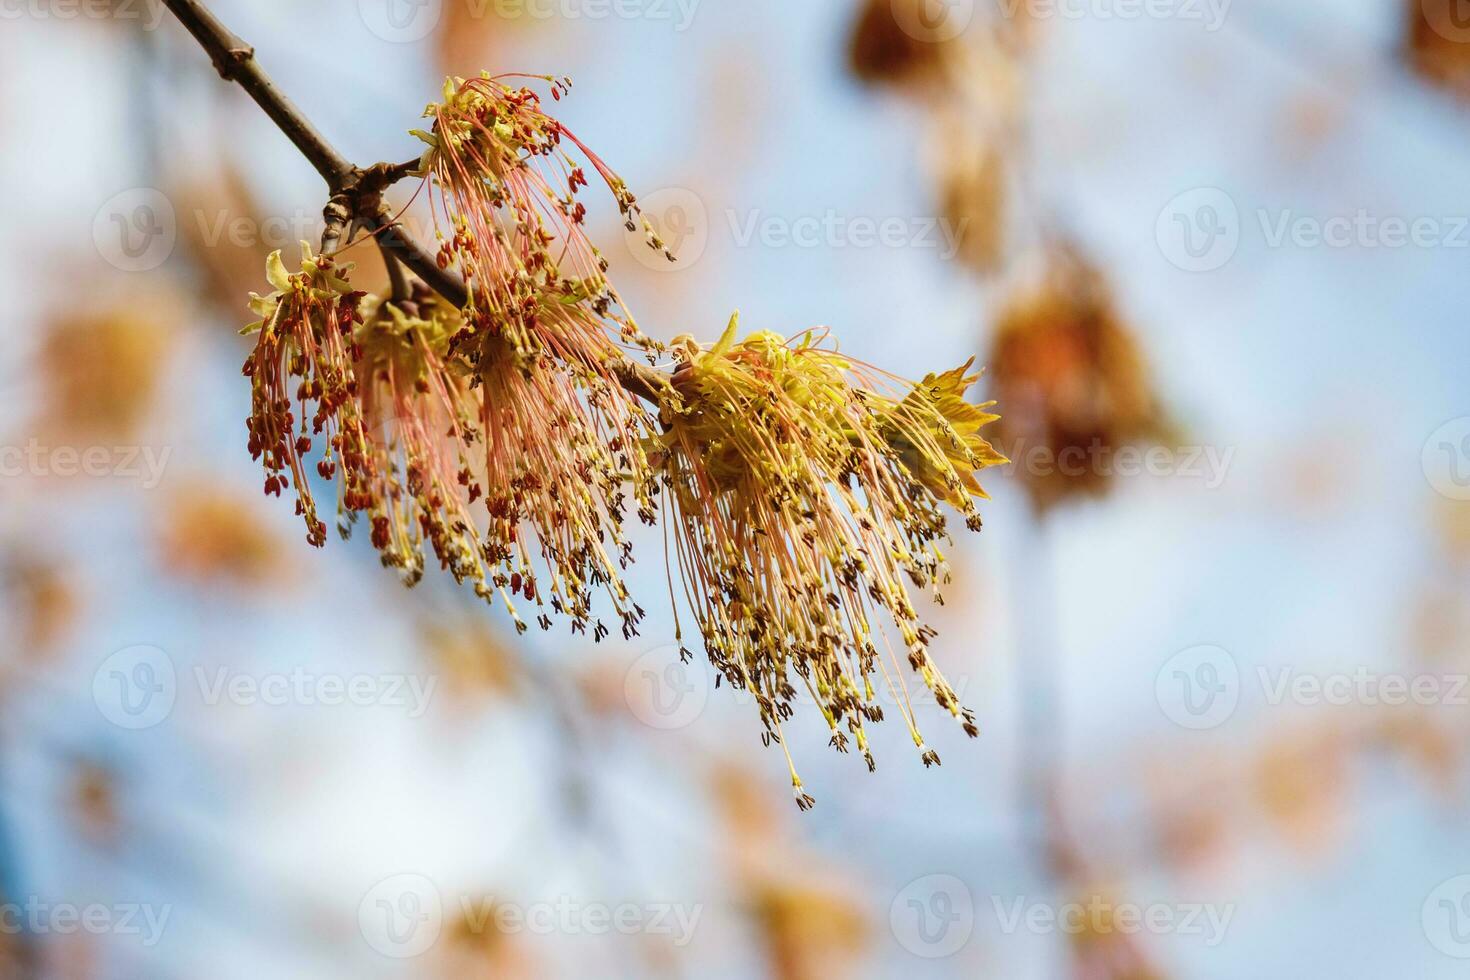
(337, 216)
(397, 281)
(235, 62)
(416, 257)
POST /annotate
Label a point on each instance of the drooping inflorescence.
(807, 492)
(808, 496)
(418, 441)
(562, 452)
(1074, 380)
(306, 339)
(416, 444)
(545, 328)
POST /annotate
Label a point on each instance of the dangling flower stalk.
(805, 496)
(558, 453)
(546, 331)
(305, 332)
(420, 428)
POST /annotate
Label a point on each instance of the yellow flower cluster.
(806, 501)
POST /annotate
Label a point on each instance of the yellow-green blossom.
(807, 497)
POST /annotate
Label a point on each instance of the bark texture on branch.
(235, 62)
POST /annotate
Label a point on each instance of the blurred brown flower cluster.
(471, 33)
(42, 596)
(1065, 367)
(970, 85)
(476, 948)
(475, 663)
(1437, 43)
(1294, 785)
(211, 534)
(882, 50)
(1073, 380)
(1104, 949)
(102, 364)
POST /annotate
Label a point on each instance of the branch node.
(235, 56)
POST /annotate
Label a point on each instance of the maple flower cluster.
(804, 499)
(306, 339)
(1073, 378)
(806, 492)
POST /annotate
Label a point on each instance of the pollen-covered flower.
(1073, 380)
(303, 357)
(455, 418)
(545, 332)
(503, 178)
(809, 492)
(389, 403)
(414, 459)
(562, 451)
(807, 499)
(511, 470)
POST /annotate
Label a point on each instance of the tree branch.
(356, 191)
(397, 279)
(235, 62)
